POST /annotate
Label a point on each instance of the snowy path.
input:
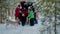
(19, 30)
(36, 29)
(58, 29)
(11, 29)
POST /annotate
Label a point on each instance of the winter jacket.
(31, 14)
(17, 12)
(25, 12)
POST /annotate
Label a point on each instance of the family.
(26, 13)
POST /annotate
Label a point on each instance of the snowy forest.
(48, 17)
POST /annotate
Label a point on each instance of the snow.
(12, 19)
(14, 29)
(11, 29)
(27, 29)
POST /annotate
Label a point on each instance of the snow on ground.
(58, 29)
(27, 29)
(11, 29)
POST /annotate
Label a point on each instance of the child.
(18, 14)
(35, 17)
(31, 17)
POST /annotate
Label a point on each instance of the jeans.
(32, 22)
(23, 20)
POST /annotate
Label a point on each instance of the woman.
(18, 14)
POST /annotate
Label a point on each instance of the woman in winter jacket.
(18, 14)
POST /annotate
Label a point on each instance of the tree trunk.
(1, 14)
(55, 20)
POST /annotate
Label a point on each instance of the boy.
(31, 17)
